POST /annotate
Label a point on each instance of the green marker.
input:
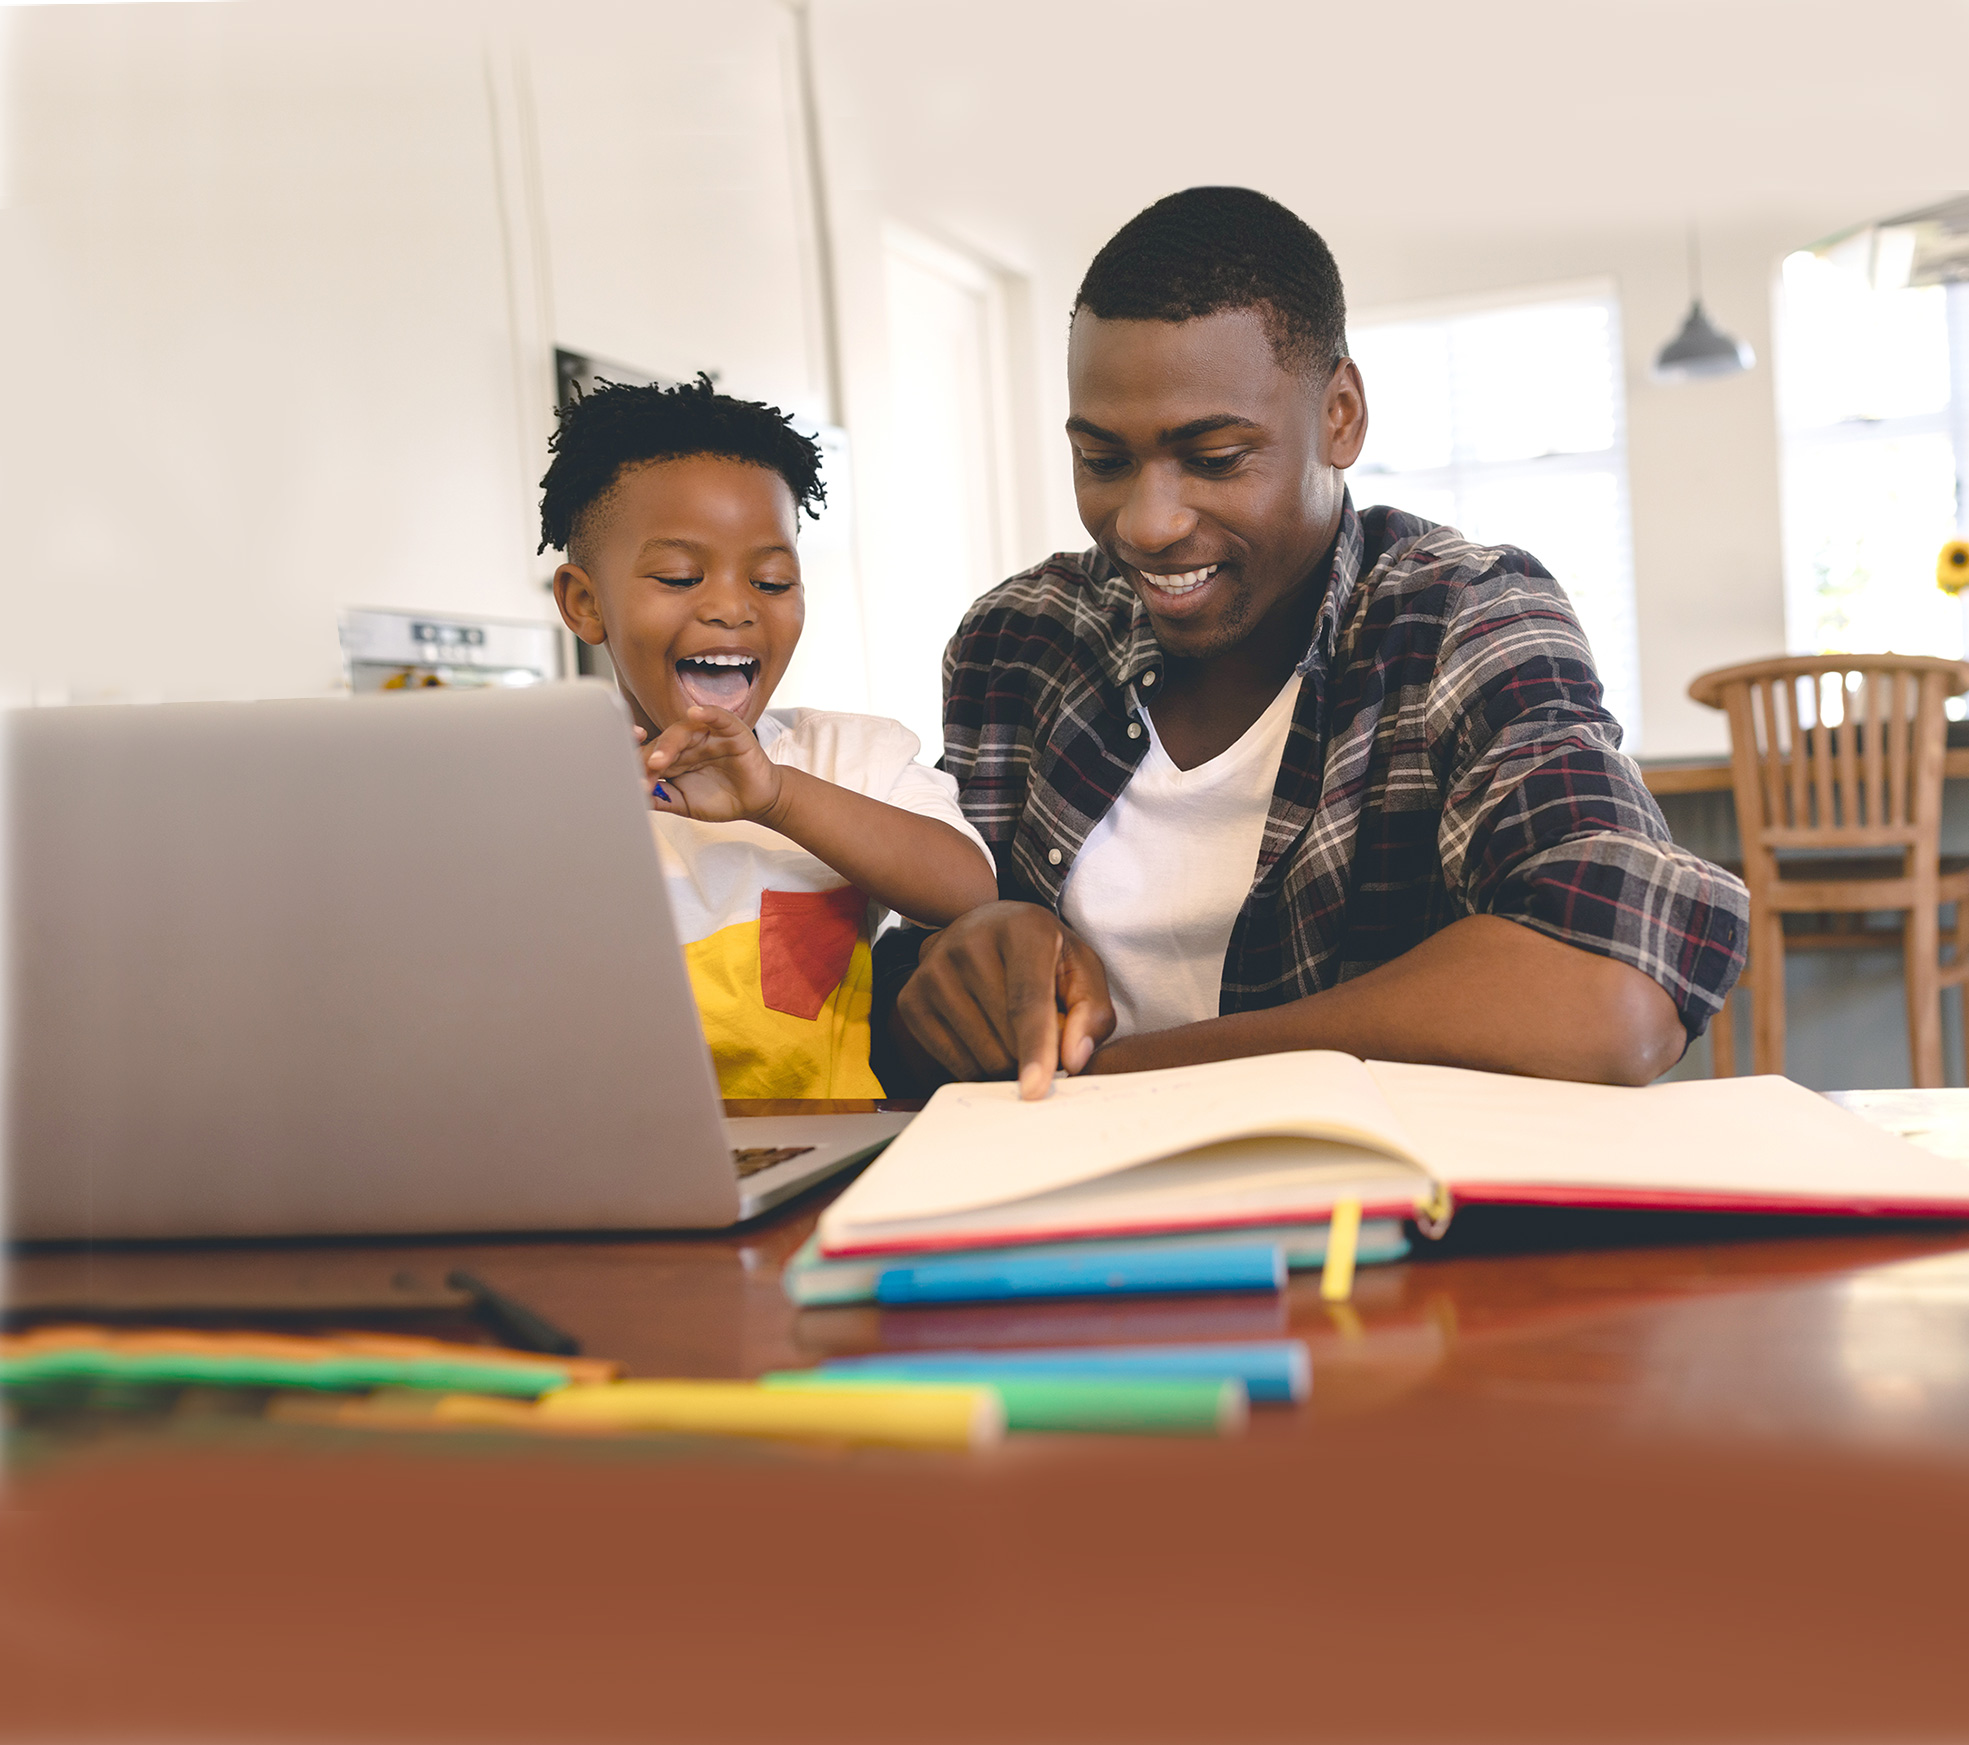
(1085, 1406)
(351, 1374)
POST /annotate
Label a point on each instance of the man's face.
(693, 582)
(1206, 470)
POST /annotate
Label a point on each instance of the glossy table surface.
(1673, 1489)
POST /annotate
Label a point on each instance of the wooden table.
(1711, 775)
(1673, 1491)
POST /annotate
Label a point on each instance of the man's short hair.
(1210, 249)
(617, 426)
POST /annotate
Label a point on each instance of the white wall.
(278, 277)
(1702, 457)
(279, 283)
(1443, 151)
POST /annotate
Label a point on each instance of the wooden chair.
(1837, 766)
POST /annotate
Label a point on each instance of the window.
(1869, 466)
(948, 533)
(1508, 423)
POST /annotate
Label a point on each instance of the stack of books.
(1229, 1176)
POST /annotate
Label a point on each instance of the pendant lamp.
(1702, 349)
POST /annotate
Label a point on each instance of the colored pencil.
(1273, 1371)
(927, 1417)
(1088, 1405)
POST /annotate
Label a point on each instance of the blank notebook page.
(977, 1145)
(1755, 1139)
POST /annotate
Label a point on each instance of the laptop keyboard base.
(750, 1159)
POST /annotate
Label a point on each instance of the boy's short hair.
(1209, 249)
(618, 426)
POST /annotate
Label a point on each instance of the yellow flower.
(1952, 567)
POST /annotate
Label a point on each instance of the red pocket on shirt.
(806, 941)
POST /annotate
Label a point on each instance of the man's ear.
(581, 612)
(1345, 412)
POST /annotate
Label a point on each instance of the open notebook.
(1281, 1138)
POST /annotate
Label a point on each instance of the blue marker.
(1111, 1269)
(660, 791)
(1277, 1370)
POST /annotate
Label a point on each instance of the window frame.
(1802, 603)
(1460, 475)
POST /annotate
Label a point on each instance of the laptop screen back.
(373, 965)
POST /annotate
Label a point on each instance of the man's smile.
(1175, 593)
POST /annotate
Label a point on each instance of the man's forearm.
(1484, 993)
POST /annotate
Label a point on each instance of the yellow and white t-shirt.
(777, 941)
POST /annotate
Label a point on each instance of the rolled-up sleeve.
(1545, 819)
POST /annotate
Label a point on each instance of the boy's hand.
(711, 767)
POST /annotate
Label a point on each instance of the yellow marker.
(909, 1417)
(1343, 1234)
(1952, 567)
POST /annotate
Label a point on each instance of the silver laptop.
(371, 965)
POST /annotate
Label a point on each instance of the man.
(1262, 772)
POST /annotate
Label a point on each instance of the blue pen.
(1116, 1269)
(1276, 1370)
(656, 787)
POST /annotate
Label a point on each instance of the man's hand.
(712, 768)
(1006, 988)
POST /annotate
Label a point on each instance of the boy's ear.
(581, 612)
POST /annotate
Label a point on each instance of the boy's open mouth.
(718, 681)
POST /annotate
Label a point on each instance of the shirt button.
(1134, 730)
(1147, 680)
(1053, 857)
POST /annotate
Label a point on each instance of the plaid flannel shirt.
(1450, 755)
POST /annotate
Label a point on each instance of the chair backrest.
(1836, 750)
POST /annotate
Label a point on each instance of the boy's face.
(693, 582)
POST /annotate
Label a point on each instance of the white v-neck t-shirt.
(1157, 886)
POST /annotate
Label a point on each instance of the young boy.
(784, 833)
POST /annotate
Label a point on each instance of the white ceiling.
(1067, 115)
